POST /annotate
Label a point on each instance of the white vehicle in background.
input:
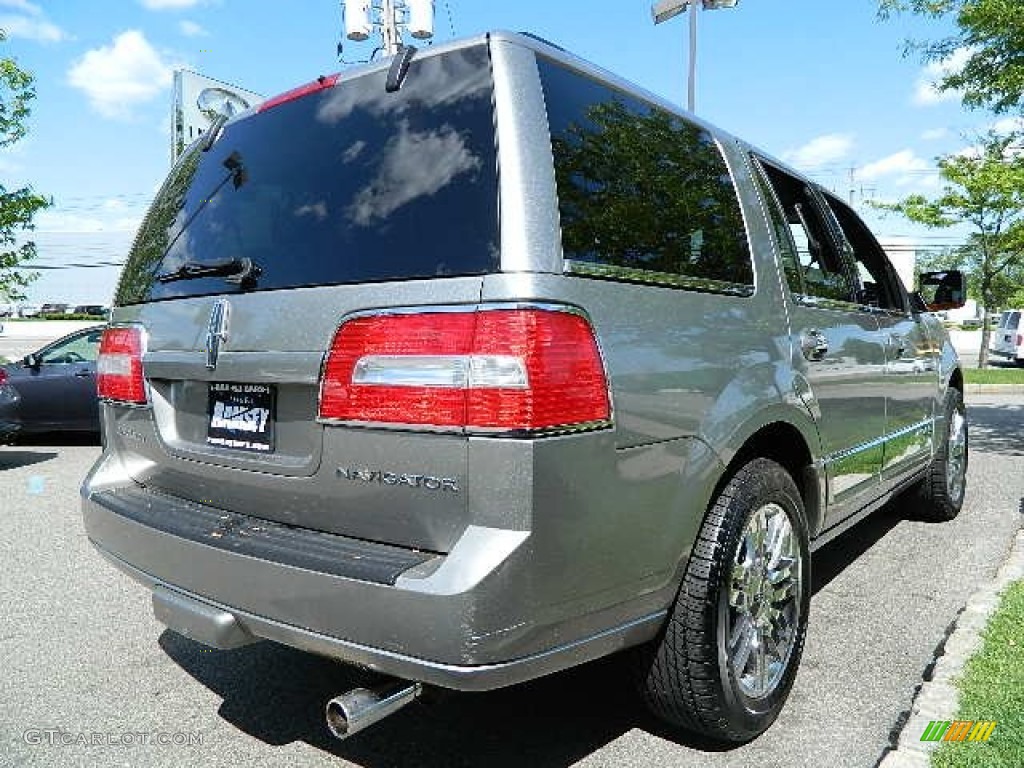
(1008, 337)
(29, 310)
(8, 310)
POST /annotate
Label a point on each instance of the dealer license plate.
(241, 416)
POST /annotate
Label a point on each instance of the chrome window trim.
(653, 277)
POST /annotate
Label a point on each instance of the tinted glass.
(351, 184)
(640, 188)
(80, 349)
(819, 270)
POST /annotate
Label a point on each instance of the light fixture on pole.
(663, 10)
(362, 17)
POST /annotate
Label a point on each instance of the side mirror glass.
(943, 290)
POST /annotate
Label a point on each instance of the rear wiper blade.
(235, 271)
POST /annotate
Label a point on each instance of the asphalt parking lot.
(90, 679)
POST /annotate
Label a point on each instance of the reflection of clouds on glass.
(414, 165)
(434, 82)
(353, 152)
(317, 210)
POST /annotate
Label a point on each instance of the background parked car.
(95, 310)
(1008, 337)
(52, 389)
(28, 310)
(53, 309)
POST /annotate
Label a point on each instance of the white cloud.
(901, 163)
(1008, 125)
(191, 29)
(820, 151)
(22, 5)
(934, 134)
(163, 5)
(415, 165)
(121, 76)
(30, 24)
(925, 92)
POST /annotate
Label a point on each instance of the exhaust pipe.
(362, 707)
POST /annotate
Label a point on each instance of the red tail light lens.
(319, 84)
(119, 366)
(503, 370)
(1020, 339)
(3, 376)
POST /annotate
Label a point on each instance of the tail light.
(483, 370)
(3, 377)
(1020, 339)
(119, 366)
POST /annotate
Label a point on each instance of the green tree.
(992, 31)
(986, 192)
(17, 207)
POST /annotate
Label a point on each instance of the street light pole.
(663, 10)
(691, 82)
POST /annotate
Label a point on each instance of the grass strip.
(992, 688)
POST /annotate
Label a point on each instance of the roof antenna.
(399, 68)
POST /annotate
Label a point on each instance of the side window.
(879, 284)
(81, 349)
(1012, 321)
(643, 194)
(813, 264)
(790, 242)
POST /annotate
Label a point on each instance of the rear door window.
(815, 265)
(351, 184)
(643, 193)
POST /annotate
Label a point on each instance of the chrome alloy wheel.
(956, 454)
(765, 595)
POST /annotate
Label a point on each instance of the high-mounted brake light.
(322, 82)
(487, 370)
(119, 366)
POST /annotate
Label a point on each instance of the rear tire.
(941, 492)
(727, 657)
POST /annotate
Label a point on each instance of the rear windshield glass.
(349, 185)
(643, 193)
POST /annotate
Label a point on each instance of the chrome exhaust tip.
(360, 708)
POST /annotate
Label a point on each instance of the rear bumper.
(1003, 353)
(458, 620)
(199, 617)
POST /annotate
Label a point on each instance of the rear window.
(643, 194)
(349, 185)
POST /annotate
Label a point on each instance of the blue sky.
(820, 83)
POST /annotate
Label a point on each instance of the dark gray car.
(52, 389)
(479, 363)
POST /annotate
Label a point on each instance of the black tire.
(686, 676)
(940, 496)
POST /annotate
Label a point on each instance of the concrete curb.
(937, 697)
(994, 389)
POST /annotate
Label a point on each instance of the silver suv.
(480, 363)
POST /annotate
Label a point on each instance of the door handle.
(83, 374)
(814, 344)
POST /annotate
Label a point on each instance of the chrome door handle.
(814, 344)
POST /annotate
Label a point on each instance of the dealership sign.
(198, 100)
